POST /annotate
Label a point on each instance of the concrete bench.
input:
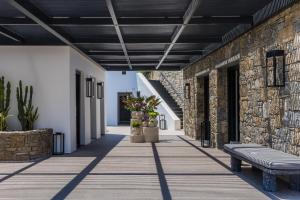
(272, 163)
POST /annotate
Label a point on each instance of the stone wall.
(25, 145)
(172, 81)
(269, 116)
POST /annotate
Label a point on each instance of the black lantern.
(58, 143)
(187, 91)
(90, 87)
(123, 72)
(100, 90)
(162, 122)
(275, 68)
(138, 94)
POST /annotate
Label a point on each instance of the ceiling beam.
(11, 35)
(132, 21)
(30, 11)
(144, 68)
(190, 40)
(144, 53)
(118, 30)
(186, 19)
(148, 62)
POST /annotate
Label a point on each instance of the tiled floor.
(114, 168)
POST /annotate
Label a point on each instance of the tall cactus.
(27, 113)
(4, 103)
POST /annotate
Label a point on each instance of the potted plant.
(136, 132)
(135, 105)
(153, 119)
(136, 128)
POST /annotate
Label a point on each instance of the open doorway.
(233, 104)
(78, 103)
(123, 114)
(203, 110)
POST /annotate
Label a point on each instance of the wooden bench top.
(263, 156)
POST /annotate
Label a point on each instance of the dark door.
(206, 107)
(124, 114)
(78, 108)
(233, 104)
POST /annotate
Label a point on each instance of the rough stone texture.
(25, 145)
(172, 81)
(269, 116)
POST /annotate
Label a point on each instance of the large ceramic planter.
(137, 115)
(136, 131)
(151, 134)
(25, 145)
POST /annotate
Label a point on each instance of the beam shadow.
(99, 149)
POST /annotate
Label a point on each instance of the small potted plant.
(135, 105)
(152, 119)
(136, 132)
(136, 128)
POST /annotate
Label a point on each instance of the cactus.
(4, 103)
(27, 114)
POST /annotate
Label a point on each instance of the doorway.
(233, 104)
(78, 103)
(93, 108)
(124, 115)
(206, 108)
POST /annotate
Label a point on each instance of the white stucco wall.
(116, 82)
(51, 72)
(87, 69)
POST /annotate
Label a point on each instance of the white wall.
(51, 72)
(116, 82)
(87, 69)
(45, 68)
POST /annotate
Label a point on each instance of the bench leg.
(269, 182)
(295, 182)
(235, 164)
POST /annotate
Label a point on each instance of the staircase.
(162, 91)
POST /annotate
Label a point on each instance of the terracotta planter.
(151, 134)
(136, 131)
(153, 123)
(137, 115)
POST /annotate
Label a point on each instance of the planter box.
(137, 139)
(151, 134)
(25, 145)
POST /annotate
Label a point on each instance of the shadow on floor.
(97, 148)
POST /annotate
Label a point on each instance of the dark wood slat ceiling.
(126, 34)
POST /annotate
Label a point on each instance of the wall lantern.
(90, 87)
(275, 68)
(162, 122)
(187, 91)
(58, 143)
(100, 90)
